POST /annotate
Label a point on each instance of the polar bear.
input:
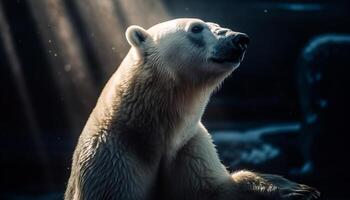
(145, 140)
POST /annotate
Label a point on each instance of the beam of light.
(107, 20)
(106, 29)
(17, 74)
(144, 13)
(65, 56)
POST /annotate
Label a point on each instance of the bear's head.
(188, 49)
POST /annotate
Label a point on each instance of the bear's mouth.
(224, 60)
(237, 58)
(228, 57)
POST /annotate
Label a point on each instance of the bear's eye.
(197, 28)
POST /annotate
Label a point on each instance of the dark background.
(55, 57)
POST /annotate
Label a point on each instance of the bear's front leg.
(197, 173)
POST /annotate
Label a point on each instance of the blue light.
(300, 6)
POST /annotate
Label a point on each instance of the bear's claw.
(299, 192)
(289, 190)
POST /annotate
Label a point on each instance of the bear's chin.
(233, 61)
(225, 60)
(226, 65)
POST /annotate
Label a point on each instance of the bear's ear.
(136, 36)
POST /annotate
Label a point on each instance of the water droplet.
(311, 118)
(67, 67)
(323, 103)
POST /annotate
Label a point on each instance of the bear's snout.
(240, 40)
(236, 42)
(230, 47)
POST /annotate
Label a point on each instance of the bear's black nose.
(240, 40)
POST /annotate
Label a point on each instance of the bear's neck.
(157, 105)
(142, 101)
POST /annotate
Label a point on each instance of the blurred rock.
(270, 149)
